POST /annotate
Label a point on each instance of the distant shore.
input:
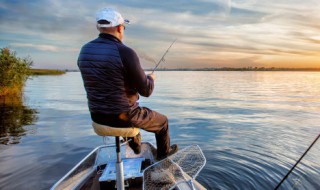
(226, 69)
(46, 72)
(238, 69)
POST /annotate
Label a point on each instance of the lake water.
(251, 126)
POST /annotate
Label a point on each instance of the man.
(113, 79)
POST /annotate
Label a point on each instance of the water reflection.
(251, 126)
(14, 115)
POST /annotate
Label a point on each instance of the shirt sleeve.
(143, 84)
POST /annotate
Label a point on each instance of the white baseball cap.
(111, 16)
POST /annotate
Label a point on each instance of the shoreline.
(240, 69)
(230, 69)
(46, 72)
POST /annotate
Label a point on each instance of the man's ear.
(119, 28)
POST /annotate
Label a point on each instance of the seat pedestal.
(119, 166)
(104, 130)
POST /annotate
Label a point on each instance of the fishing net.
(180, 167)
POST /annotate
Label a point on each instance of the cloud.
(225, 31)
(43, 47)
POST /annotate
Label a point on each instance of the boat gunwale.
(78, 164)
(97, 149)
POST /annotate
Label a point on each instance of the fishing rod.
(162, 58)
(285, 177)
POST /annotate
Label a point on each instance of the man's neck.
(109, 36)
(112, 34)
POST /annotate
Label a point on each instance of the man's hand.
(152, 76)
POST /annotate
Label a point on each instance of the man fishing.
(113, 79)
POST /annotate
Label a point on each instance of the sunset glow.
(217, 33)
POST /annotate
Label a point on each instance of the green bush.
(14, 72)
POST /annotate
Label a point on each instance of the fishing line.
(285, 177)
(162, 58)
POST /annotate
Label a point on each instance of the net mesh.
(162, 175)
(181, 166)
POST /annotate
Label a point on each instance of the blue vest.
(103, 76)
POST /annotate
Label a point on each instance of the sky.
(209, 33)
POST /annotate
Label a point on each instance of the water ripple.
(251, 126)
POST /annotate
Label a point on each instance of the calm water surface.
(251, 126)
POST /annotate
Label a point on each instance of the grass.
(14, 72)
(46, 72)
(14, 90)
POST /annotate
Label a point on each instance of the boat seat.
(104, 130)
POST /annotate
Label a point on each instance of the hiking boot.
(173, 149)
(135, 143)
